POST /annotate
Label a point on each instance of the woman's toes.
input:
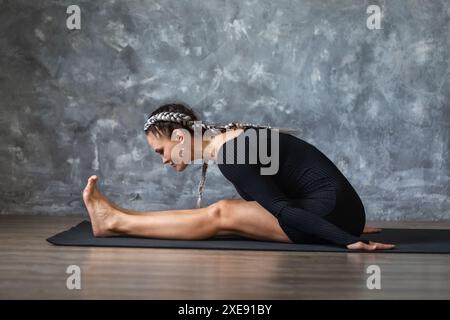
(90, 187)
(92, 182)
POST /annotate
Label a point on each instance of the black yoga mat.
(406, 241)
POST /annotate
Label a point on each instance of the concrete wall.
(73, 103)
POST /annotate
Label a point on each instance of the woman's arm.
(243, 194)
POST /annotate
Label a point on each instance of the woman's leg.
(246, 218)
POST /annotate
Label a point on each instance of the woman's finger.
(356, 246)
(384, 246)
(361, 246)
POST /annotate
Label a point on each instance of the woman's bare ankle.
(118, 222)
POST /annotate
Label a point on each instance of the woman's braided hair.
(173, 116)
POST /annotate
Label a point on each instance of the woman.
(308, 200)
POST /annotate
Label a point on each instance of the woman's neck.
(211, 147)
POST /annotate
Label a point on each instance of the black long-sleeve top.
(308, 194)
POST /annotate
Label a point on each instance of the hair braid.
(176, 117)
(201, 185)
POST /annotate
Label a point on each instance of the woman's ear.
(179, 135)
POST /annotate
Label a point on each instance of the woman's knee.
(219, 213)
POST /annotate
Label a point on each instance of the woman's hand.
(368, 229)
(372, 246)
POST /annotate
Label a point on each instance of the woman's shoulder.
(253, 143)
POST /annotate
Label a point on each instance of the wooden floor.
(31, 268)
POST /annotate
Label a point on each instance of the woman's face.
(169, 150)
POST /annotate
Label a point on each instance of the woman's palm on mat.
(372, 245)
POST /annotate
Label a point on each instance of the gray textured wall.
(73, 102)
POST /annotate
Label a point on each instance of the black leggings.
(343, 208)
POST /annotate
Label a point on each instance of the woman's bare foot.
(104, 216)
(115, 205)
(368, 229)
